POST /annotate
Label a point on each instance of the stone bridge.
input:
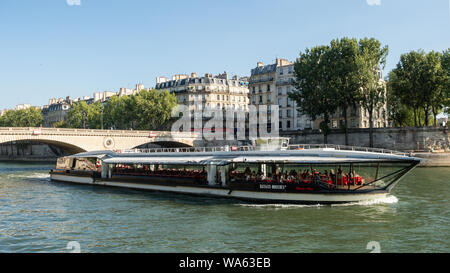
(81, 140)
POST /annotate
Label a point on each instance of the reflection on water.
(37, 215)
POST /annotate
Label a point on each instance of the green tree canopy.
(421, 82)
(30, 117)
(84, 115)
(314, 95)
(371, 60)
(337, 77)
(152, 109)
(147, 110)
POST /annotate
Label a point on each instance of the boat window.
(86, 164)
(175, 172)
(350, 176)
(64, 163)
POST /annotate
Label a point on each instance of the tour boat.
(305, 174)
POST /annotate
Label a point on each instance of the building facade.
(270, 85)
(56, 111)
(208, 92)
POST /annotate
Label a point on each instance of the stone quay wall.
(424, 139)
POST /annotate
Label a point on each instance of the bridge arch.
(67, 147)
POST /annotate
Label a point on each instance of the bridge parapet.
(91, 139)
(95, 132)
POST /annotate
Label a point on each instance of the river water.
(37, 215)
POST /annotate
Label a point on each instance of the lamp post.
(101, 117)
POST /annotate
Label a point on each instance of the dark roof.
(264, 69)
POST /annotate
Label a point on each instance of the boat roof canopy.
(316, 156)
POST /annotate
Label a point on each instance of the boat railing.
(191, 149)
(252, 148)
(345, 148)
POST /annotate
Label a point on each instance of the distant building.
(2, 112)
(103, 97)
(443, 121)
(208, 92)
(23, 106)
(56, 111)
(128, 92)
(270, 85)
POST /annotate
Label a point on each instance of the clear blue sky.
(49, 48)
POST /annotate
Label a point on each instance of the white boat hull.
(266, 197)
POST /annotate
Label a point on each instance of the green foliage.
(421, 83)
(152, 109)
(118, 113)
(84, 115)
(445, 63)
(314, 94)
(147, 110)
(31, 117)
(371, 59)
(61, 124)
(339, 76)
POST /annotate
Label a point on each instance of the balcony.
(254, 81)
(289, 81)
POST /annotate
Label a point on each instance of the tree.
(118, 113)
(314, 94)
(342, 63)
(30, 117)
(421, 82)
(371, 60)
(445, 63)
(434, 78)
(152, 109)
(404, 81)
(84, 115)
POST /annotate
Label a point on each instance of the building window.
(334, 124)
(280, 91)
(268, 98)
(281, 71)
(268, 88)
(280, 102)
(288, 113)
(281, 125)
(260, 99)
(288, 124)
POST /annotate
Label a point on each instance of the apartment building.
(270, 85)
(207, 92)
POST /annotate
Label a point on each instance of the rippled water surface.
(37, 215)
